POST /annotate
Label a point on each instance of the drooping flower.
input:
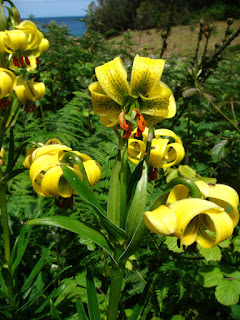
(46, 173)
(24, 41)
(28, 91)
(7, 82)
(207, 221)
(162, 154)
(146, 99)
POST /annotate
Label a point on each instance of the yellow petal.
(93, 171)
(158, 149)
(38, 168)
(23, 91)
(102, 103)
(136, 150)
(229, 196)
(50, 149)
(7, 81)
(161, 221)
(203, 187)
(223, 226)
(112, 77)
(83, 156)
(144, 135)
(43, 46)
(37, 88)
(110, 121)
(188, 209)
(179, 192)
(146, 73)
(159, 133)
(15, 40)
(176, 154)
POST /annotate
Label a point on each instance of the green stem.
(4, 217)
(117, 275)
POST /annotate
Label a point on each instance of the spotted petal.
(146, 73)
(112, 77)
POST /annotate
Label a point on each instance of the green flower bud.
(229, 31)
(3, 19)
(229, 21)
(16, 15)
(217, 45)
(164, 34)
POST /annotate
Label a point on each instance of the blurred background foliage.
(191, 284)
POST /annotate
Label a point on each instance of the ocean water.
(75, 27)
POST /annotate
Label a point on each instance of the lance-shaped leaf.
(80, 310)
(93, 306)
(137, 239)
(75, 226)
(114, 204)
(138, 201)
(83, 191)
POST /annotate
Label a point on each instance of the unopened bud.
(16, 15)
(164, 34)
(229, 21)
(206, 27)
(217, 45)
(2, 153)
(3, 18)
(206, 34)
(210, 27)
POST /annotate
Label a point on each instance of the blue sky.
(51, 8)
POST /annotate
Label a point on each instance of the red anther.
(153, 174)
(34, 108)
(128, 131)
(2, 104)
(27, 61)
(38, 60)
(138, 113)
(16, 62)
(27, 109)
(6, 102)
(22, 62)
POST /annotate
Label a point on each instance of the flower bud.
(164, 34)
(206, 34)
(16, 15)
(229, 31)
(3, 18)
(229, 21)
(2, 153)
(217, 45)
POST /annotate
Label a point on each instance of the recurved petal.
(155, 108)
(222, 224)
(161, 221)
(159, 133)
(173, 155)
(93, 171)
(38, 168)
(7, 80)
(23, 91)
(102, 103)
(203, 187)
(136, 150)
(158, 149)
(50, 149)
(179, 192)
(110, 121)
(229, 196)
(187, 209)
(54, 184)
(37, 88)
(112, 77)
(83, 156)
(146, 73)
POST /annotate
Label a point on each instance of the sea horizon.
(75, 27)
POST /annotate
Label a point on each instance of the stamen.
(27, 109)
(128, 131)
(22, 62)
(34, 108)
(16, 62)
(27, 61)
(38, 60)
(2, 104)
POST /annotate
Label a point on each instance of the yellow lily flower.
(112, 94)
(29, 91)
(162, 154)
(7, 82)
(46, 173)
(206, 222)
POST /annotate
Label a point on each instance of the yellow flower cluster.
(162, 154)
(207, 221)
(46, 173)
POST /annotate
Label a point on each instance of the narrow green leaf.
(19, 247)
(80, 310)
(10, 161)
(140, 234)
(75, 226)
(137, 310)
(136, 210)
(53, 311)
(114, 204)
(83, 191)
(93, 306)
(226, 293)
(41, 262)
(124, 176)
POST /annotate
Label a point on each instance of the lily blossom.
(46, 173)
(7, 82)
(162, 154)
(28, 91)
(206, 221)
(146, 98)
